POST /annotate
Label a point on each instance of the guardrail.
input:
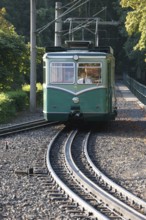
(138, 89)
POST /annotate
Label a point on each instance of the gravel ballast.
(120, 152)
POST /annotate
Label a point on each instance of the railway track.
(82, 190)
(24, 127)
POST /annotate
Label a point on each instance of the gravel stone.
(24, 116)
(120, 152)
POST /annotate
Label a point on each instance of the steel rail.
(24, 127)
(112, 202)
(115, 187)
(80, 201)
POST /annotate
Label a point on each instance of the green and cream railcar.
(79, 84)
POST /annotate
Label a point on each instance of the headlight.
(75, 100)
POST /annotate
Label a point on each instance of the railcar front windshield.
(89, 73)
(62, 72)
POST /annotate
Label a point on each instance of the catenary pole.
(58, 24)
(32, 55)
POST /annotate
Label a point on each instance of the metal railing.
(138, 89)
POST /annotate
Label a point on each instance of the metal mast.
(33, 55)
(85, 23)
(58, 24)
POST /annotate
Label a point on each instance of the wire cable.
(63, 14)
(65, 6)
(85, 24)
(39, 30)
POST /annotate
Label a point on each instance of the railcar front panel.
(85, 105)
(70, 95)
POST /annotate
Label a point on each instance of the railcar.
(79, 83)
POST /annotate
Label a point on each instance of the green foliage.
(132, 59)
(136, 20)
(7, 108)
(19, 98)
(39, 87)
(6, 26)
(25, 65)
(12, 49)
(26, 88)
(15, 57)
(39, 92)
(16, 101)
(18, 14)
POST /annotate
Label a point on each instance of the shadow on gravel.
(86, 126)
(118, 127)
(127, 127)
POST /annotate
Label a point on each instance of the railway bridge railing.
(138, 89)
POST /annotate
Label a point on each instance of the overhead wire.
(39, 30)
(72, 8)
(85, 24)
(65, 6)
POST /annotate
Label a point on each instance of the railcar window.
(89, 73)
(62, 73)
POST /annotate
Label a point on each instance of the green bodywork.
(95, 102)
(93, 105)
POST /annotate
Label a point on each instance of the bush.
(26, 89)
(15, 101)
(7, 108)
(20, 99)
(39, 92)
(39, 87)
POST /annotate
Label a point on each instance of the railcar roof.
(76, 52)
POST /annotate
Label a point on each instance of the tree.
(136, 20)
(12, 49)
(134, 56)
(18, 14)
(26, 64)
